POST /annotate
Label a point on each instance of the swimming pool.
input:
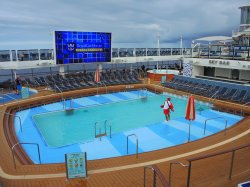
(128, 114)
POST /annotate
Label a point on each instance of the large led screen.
(82, 47)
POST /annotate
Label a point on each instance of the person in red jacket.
(167, 106)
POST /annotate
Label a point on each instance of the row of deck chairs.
(81, 80)
(209, 89)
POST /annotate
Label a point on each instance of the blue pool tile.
(130, 95)
(83, 102)
(99, 149)
(71, 104)
(118, 141)
(101, 99)
(53, 106)
(120, 95)
(148, 144)
(112, 97)
(173, 135)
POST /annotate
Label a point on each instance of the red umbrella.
(97, 75)
(190, 112)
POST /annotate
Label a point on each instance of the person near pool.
(167, 106)
(18, 86)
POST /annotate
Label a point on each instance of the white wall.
(244, 75)
(219, 63)
(222, 72)
(198, 70)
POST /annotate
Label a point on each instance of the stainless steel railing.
(136, 143)
(13, 147)
(241, 110)
(170, 169)
(205, 124)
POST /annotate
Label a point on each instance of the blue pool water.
(136, 116)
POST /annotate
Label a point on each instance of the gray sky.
(28, 24)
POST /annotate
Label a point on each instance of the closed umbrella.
(190, 112)
(97, 75)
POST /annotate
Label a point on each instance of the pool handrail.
(97, 87)
(156, 171)
(136, 143)
(20, 121)
(170, 169)
(213, 97)
(20, 143)
(63, 100)
(205, 125)
(248, 103)
(106, 122)
(96, 123)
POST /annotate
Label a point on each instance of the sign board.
(163, 79)
(25, 93)
(76, 165)
(82, 47)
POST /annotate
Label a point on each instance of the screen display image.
(82, 47)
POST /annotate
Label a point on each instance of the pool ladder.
(143, 94)
(71, 108)
(136, 143)
(100, 134)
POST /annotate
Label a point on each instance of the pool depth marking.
(59, 175)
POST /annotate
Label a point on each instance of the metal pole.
(189, 173)
(189, 131)
(205, 127)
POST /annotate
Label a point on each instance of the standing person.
(18, 85)
(167, 106)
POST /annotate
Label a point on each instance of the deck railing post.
(231, 165)
(170, 170)
(154, 179)
(189, 173)
(145, 176)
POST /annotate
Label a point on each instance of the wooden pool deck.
(128, 170)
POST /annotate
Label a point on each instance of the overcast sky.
(28, 24)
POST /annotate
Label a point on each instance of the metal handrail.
(20, 121)
(243, 107)
(213, 155)
(97, 92)
(63, 100)
(213, 96)
(96, 123)
(156, 171)
(71, 102)
(110, 128)
(106, 88)
(136, 143)
(212, 119)
(170, 169)
(19, 143)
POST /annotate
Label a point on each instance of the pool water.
(58, 132)
(74, 126)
